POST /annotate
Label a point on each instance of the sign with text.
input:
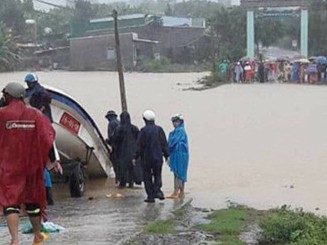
(70, 123)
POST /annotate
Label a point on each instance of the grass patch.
(180, 212)
(160, 227)
(208, 82)
(164, 65)
(293, 227)
(227, 224)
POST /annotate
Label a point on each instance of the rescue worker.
(40, 99)
(26, 137)
(113, 123)
(152, 147)
(124, 140)
(38, 96)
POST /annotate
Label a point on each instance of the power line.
(50, 4)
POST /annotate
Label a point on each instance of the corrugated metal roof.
(179, 21)
(176, 21)
(123, 17)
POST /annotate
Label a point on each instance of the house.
(98, 52)
(140, 35)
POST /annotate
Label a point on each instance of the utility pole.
(119, 65)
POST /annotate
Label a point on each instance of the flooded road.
(96, 219)
(262, 145)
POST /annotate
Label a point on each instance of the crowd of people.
(29, 154)
(311, 71)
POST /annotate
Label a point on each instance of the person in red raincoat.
(26, 137)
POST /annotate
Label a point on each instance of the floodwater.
(262, 145)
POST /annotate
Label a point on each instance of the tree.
(8, 51)
(28, 8)
(169, 11)
(196, 8)
(83, 11)
(227, 29)
(11, 14)
(317, 27)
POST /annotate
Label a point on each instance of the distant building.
(177, 21)
(142, 35)
(98, 52)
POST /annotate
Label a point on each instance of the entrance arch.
(251, 5)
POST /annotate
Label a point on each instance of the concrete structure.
(98, 52)
(141, 35)
(251, 5)
(274, 3)
(173, 42)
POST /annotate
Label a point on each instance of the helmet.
(31, 78)
(149, 115)
(177, 117)
(15, 90)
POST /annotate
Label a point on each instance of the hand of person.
(134, 162)
(58, 168)
(42, 109)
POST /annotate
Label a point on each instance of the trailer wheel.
(77, 181)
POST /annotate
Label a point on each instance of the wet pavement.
(96, 219)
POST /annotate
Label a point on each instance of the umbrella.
(321, 60)
(283, 58)
(245, 58)
(303, 61)
(312, 58)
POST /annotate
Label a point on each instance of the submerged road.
(262, 145)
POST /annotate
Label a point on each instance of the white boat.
(82, 149)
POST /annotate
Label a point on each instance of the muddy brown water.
(262, 145)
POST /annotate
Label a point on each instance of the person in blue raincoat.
(295, 75)
(179, 155)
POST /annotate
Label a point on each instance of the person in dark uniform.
(261, 72)
(113, 123)
(124, 142)
(152, 146)
(38, 96)
(40, 99)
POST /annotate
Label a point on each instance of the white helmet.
(149, 115)
(177, 117)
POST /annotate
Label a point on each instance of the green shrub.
(160, 227)
(285, 226)
(145, 64)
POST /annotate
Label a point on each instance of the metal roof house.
(141, 35)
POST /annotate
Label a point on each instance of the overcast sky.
(41, 6)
